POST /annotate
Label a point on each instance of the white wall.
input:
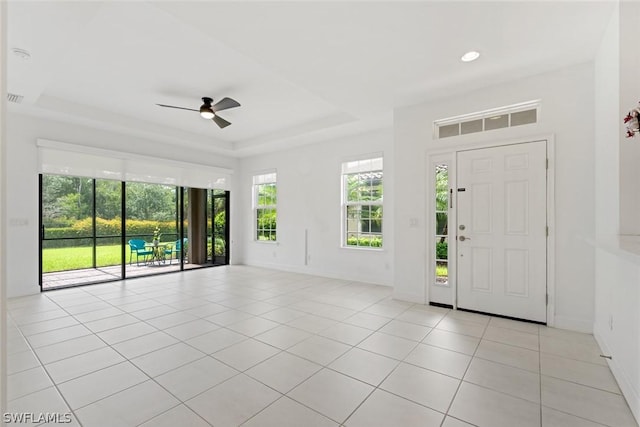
(629, 96)
(617, 324)
(566, 113)
(617, 271)
(3, 205)
(309, 183)
(22, 184)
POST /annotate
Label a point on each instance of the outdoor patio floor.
(104, 274)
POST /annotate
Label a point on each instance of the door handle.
(463, 238)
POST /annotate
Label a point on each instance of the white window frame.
(264, 178)
(372, 163)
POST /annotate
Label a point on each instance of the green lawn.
(442, 270)
(74, 258)
(61, 259)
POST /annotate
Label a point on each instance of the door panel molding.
(490, 204)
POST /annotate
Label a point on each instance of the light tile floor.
(238, 345)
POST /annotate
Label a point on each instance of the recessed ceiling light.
(470, 56)
(21, 53)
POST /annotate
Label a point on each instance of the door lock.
(463, 238)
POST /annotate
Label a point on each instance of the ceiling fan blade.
(173, 106)
(225, 103)
(222, 123)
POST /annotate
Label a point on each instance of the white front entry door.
(501, 230)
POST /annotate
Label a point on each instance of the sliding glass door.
(97, 230)
(151, 228)
(80, 230)
(218, 230)
(206, 227)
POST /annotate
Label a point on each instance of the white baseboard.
(630, 393)
(408, 297)
(34, 290)
(573, 324)
(317, 272)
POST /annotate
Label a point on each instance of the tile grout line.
(97, 370)
(55, 386)
(465, 371)
(540, 377)
(297, 292)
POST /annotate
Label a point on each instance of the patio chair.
(168, 250)
(177, 248)
(138, 246)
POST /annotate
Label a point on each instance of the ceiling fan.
(208, 111)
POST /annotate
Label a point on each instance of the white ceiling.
(303, 71)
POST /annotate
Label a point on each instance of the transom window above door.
(523, 113)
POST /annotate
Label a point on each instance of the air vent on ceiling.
(496, 118)
(12, 97)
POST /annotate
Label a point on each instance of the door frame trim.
(440, 153)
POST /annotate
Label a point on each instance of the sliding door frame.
(180, 218)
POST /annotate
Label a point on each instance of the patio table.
(158, 249)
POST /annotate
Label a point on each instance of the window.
(362, 203)
(442, 222)
(497, 118)
(264, 205)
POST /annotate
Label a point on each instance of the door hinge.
(546, 300)
(547, 230)
(547, 164)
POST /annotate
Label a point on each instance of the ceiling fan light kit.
(208, 111)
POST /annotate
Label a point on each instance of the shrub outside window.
(362, 203)
(264, 202)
